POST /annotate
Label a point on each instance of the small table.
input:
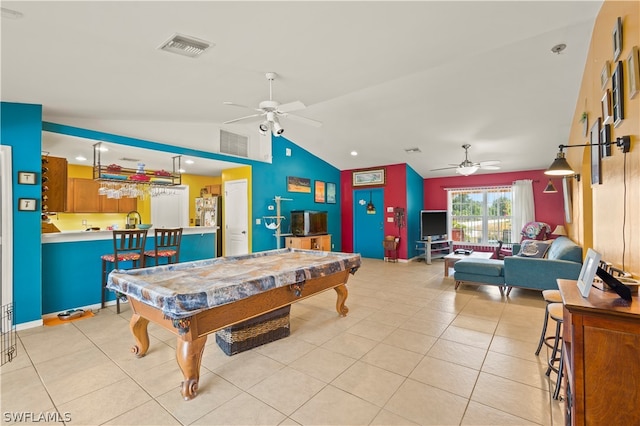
(452, 258)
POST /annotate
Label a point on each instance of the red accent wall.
(395, 195)
(549, 207)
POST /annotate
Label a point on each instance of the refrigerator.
(207, 214)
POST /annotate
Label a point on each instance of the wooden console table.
(601, 350)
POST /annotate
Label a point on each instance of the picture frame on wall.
(369, 177)
(633, 68)
(605, 74)
(617, 39)
(319, 194)
(607, 116)
(617, 95)
(331, 193)
(605, 140)
(298, 184)
(594, 140)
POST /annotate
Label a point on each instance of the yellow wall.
(237, 173)
(606, 216)
(73, 221)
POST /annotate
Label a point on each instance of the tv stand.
(434, 249)
(315, 242)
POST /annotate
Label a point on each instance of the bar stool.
(167, 245)
(556, 314)
(550, 296)
(127, 246)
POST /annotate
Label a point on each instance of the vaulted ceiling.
(381, 76)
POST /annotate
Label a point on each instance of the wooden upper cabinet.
(83, 197)
(54, 184)
(214, 190)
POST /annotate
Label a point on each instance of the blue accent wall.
(21, 128)
(415, 201)
(270, 180)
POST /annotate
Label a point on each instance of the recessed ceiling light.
(81, 158)
(188, 161)
(354, 153)
(558, 48)
(103, 148)
(182, 171)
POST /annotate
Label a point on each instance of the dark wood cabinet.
(83, 197)
(601, 350)
(54, 184)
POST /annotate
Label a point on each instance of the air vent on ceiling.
(234, 144)
(132, 160)
(185, 45)
(412, 150)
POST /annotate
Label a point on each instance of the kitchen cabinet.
(54, 184)
(82, 197)
(214, 190)
(316, 242)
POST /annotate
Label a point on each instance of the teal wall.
(270, 180)
(21, 128)
(415, 203)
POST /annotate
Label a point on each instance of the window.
(480, 215)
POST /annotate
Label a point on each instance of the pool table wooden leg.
(189, 355)
(138, 326)
(342, 297)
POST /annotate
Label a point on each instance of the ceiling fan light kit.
(468, 167)
(273, 111)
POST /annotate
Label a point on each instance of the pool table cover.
(183, 289)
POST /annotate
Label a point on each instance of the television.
(433, 223)
(308, 222)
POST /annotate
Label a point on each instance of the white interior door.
(171, 211)
(236, 217)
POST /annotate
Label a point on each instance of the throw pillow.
(534, 248)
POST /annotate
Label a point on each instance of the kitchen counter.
(74, 236)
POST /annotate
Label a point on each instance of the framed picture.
(27, 178)
(369, 177)
(588, 272)
(605, 140)
(617, 95)
(319, 191)
(596, 176)
(617, 39)
(634, 72)
(607, 117)
(27, 204)
(331, 193)
(298, 184)
(604, 74)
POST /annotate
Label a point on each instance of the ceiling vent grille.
(185, 45)
(234, 144)
(412, 150)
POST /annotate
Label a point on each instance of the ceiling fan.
(467, 167)
(273, 111)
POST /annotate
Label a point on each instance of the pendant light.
(371, 209)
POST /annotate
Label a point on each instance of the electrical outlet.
(389, 219)
(84, 222)
(287, 152)
(258, 221)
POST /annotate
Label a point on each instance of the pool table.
(194, 299)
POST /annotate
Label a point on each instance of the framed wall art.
(596, 176)
(298, 184)
(617, 95)
(605, 140)
(369, 177)
(319, 193)
(634, 72)
(27, 178)
(27, 204)
(617, 39)
(607, 117)
(604, 74)
(331, 193)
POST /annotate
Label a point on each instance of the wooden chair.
(128, 246)
(167, 245)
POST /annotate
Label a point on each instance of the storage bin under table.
(255, 332)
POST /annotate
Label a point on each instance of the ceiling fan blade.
(242, 118)
(236, 105)
(444, 168)
(291, 106)
(489, 163)
(304, 120)
(490, 167)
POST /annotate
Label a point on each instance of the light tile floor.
(411, 351)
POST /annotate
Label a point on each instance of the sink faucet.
(131, 221)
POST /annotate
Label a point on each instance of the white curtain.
(523, 206)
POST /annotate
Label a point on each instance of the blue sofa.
(563, 260)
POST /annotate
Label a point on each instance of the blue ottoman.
(480, 271)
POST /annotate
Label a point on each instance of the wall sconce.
(371, 209)
(560, 167)
(550, 189)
